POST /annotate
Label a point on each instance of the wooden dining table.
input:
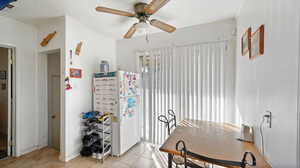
(217, 141)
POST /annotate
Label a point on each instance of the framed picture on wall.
(246, 42)
(257, 42)
(75, 73)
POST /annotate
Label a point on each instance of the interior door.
(55, 111)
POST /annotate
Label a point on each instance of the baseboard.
(70, 157)
(28, 150)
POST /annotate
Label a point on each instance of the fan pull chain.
(147, 37)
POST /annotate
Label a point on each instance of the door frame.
(298, 96)
(43, 102)
(12, 115)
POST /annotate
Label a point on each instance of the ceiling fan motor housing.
(139, 9)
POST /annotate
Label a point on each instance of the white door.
(55, 111)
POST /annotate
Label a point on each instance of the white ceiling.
(180, 13)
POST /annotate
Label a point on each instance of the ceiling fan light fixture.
(142, 27)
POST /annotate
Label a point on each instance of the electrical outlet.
(268, 116)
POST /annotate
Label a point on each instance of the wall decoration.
(78, 48)
(47, 39)
(67, 84)
(246, 42)
(71, 57)
(75, 73)
(257, 42)
(3, 75)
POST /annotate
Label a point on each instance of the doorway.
(53, 92)
(6, 101)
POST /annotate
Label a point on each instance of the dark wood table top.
(213, 140)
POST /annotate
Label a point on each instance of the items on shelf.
(97, 135)
(104, 66)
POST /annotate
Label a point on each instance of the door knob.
(53, 116)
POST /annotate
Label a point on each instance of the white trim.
(298, 110)
(70, 157)
(62, 156)
(10, 100)
(12, 108)
(298, 96)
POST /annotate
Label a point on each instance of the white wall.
(23, 37)
(127, 48)
(95, 47)
(270, 82)
(215, 31)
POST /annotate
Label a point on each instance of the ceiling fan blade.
(130, 32)
(10, 6)
(163, 26)
(114, 11)
(155, 5)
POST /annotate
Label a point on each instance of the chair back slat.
(170, 121)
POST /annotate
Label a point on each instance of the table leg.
(170, 159)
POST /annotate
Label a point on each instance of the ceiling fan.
(142, 11)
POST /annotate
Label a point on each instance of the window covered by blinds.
(188, 79)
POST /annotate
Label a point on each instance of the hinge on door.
(11, 57)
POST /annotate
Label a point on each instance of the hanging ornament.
(71, 57)
(67, 84)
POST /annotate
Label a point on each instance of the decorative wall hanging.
(67, 84)
(78, 48)
(257, 42)
(75, 73)
(47, 39)
(71, 57)
(246, 42)
(3, 75)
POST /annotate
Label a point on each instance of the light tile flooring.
(143, 155)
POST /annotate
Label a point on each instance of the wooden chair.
(180, 147)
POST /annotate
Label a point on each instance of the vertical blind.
(188, 79)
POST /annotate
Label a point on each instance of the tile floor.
(143, 155)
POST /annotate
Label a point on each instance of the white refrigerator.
(118, 93)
